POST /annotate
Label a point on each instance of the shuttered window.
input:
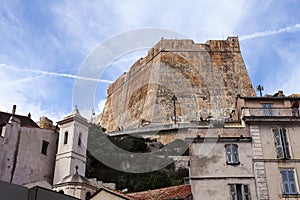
(281, 143)
(232, 156)
(288, 181)
(239, 192)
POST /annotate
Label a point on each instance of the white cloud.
(100, 106)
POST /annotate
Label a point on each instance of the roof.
(111, 191)
(25, 120)
(75, 178)
(174, 192)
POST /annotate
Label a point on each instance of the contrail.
(56, 74)
(293, 28)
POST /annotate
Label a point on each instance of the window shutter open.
(228, 154)
(285, 143)
(246, 192)
(278, 143)
(232, 192)
(235, 154)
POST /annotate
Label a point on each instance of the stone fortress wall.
(204, 77)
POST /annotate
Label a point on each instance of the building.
(274, 125)
(50, 157)
(256, 159)
(27, 151)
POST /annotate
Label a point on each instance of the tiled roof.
(111, 191)
(174, 192)
(25, 121)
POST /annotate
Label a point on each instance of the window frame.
(289, 184)
(232, 154)
(281, 142)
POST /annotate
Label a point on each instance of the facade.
(257, 159)
(27, 151)
(274, 125)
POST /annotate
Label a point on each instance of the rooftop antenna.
(260, 88)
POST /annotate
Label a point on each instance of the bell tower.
(71, 152)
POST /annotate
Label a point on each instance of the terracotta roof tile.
(174, 192)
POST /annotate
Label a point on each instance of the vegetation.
(132, 181)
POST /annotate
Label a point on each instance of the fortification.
(205, 78)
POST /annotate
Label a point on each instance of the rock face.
(204, 77)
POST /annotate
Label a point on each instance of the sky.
(45, 43)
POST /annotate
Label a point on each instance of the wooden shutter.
(232, 192)
(235, 153)
(278, 143)
(285, 143)
(228, 153)
(246, 192)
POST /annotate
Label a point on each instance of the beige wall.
(210, 175)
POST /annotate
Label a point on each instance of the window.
(44, 147)
(288, 181)
(239, 192)
(281, 143)
(232, 156)
(66, 137)
(267, 109)
(79, 139)
(87, 195)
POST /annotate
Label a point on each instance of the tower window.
(79, 139)
(66, 137)
(44, 147)
(232, 156)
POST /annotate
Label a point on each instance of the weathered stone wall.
(205, 78)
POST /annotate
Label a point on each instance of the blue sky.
(44, 43)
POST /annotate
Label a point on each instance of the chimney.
(280, 93)
(14, 109)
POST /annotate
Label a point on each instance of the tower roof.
(73, 116)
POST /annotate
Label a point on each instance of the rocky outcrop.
(204, 77)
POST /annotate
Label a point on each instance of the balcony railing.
(270, 112)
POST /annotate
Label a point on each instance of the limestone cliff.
(204, 77)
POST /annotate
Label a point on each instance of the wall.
(204, 77)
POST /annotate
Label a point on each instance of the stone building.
(205, 79)
(27, 151)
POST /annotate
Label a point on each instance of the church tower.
(71, 152)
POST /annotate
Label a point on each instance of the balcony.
(270, 114)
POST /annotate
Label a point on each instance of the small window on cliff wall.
(232, 155)
(44, 147)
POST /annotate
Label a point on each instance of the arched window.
(79, 139)
(61, 191)
(66, 137)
